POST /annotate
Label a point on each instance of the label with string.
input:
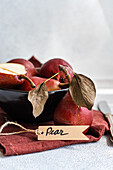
(70, 132)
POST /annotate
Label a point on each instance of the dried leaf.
(82, 90)
(38, 98)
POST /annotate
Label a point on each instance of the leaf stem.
(63, 85)
(70, 69)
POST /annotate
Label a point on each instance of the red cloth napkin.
(27, 142)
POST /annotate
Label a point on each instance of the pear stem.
(62, 68)
(51, 77)
(28, 79)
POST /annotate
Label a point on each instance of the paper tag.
(62, 133)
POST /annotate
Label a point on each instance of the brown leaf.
(38, 98)
(82, 90)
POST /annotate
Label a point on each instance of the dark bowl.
(17, 106)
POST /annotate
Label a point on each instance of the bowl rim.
(26, 92)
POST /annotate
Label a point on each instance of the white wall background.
(80, 31)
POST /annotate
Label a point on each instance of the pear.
(67, 112)
(51, 84)
(51, 67)
(29, 67)
(12, 74)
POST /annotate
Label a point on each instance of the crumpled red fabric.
(25, 143)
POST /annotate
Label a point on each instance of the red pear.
(51, 67)
(12, 74)
(31, 71)
(51, 84)
(67, 112)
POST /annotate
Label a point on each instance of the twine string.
(17, 124)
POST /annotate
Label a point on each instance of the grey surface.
(80, 32)
(104, 107)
